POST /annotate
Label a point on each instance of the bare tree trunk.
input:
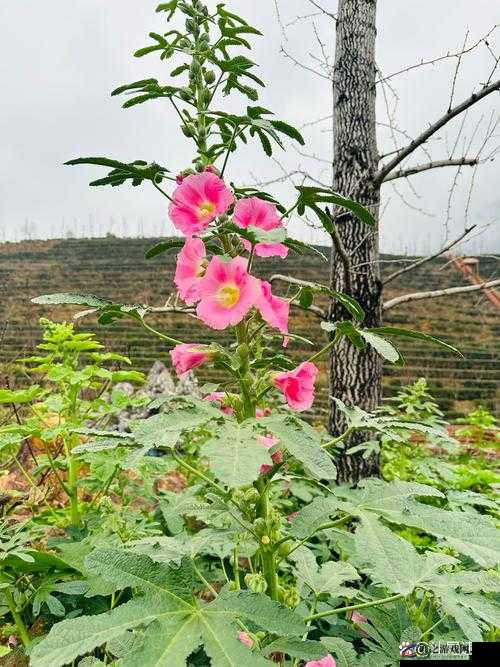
(355, 376)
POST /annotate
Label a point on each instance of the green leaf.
(343, 652)
(262, 611)
(129, 569)
(223, 647)
(305, 649)
(67, 298)
(310, 517)
(382, 346)
(391, 561)
(329, 578)
(408, 333)
(302, 442)
(289, 130)
(77, 636)
(235, 455)
(18, 396)
(166, 644)
(312, 196)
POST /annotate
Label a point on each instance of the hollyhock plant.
(255, 212)
(327, 661)
(198, 200)
(190, 268)
(298, 385)
(227, 293)
(274, 309)
(187, 356)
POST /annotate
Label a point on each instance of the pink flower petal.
(298, 385)
(190, 269)
(327, 661)
(187, 356)
(227, 293)
(198, 200)
(255, 212)
(274, 309)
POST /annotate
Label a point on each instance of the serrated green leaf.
(302, 442)
(382, 346)
(67, 298)
(235, 455)
(166, 644)
(305, 649)
(260, 609)
(343, 652)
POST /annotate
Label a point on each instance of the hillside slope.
(116, 269)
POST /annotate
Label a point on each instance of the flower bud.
(256, 582)
(184, 43)
(252, 496)
(209, 76)
(284, 549)
(186, 94)
(259, 526)
(291, 597)
(265, 539)
(188, 131)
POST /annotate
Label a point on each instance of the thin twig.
(451, 291)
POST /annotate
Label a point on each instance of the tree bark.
(355, 376)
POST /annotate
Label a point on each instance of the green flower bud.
(199, 167)
(252, 496)
(259, 526)
(184, 43)
(256, 583)
(210, 76)
(275, 520)
(265, 539)
(186, 94)
(188, 131)
(291, 597)
(284, 549)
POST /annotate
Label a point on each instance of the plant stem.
(325, 349)
(236, 569)
(364, 605)
(202, 578)
(170, 340)
(199, 474)
(16, 616)
(72, 485)
(266, 552)
(335, 441)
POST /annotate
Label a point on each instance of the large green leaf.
(306, 649)
(235, 455)
(311, 197)
(166, 644)
(343, 652)
(310, 517)
(409, 333)
(74, 637)
(391, 561)
(329, 578)
(262, 611)
(302, 442)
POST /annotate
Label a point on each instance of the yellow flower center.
(205, 209)
(228, 296)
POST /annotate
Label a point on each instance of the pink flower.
(298, 385)
(227, 293)
(245, 639)
(198, 200)
(269, 441)
(273, 309)
(327, 661)
(191, 265)
(290, 517)
(262, 412)
(12, 640)
(219, 397)
(256, 212)
(187, 356)
(356, 617)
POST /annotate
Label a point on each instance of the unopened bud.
(265, 539)
(209, 76)
(256, 582)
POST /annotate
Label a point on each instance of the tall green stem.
(72, 485)
(352, 607)
(266, 550)
(17, 618)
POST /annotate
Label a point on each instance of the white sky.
(59, 60)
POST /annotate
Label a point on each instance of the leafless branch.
(447, 56)
(302, 65)
(344, 257)
(451, 291)
(432, 129)
(423, 260)
(418, 168)
(322, 9)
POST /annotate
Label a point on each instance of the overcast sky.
(59, 60)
